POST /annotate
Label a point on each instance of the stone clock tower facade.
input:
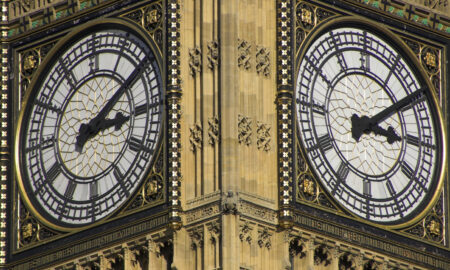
(238, 134)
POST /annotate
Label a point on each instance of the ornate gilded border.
(153, 192)
(432, 228)
(174, 111)
(284, 111)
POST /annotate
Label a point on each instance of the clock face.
(369, 125)
(90, 125)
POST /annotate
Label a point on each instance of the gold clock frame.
(347, 20)
(41, 69)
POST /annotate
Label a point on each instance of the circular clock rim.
(400, 47)
(72, 35)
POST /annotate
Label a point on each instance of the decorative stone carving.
(229, 204)
(244, 56)
(213, 130)
(214, 230)
(263, 61)
(245, 230)
(322, 255)
(372, 265)
(244, 129)
(347, 262)
(196, 137)
(196, 235)
(213, 54)
(297, 248)
(195, 61)
(264, 238)
(263, 136)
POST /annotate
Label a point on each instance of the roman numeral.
(118, 174)
(390, 188)
(407, 170)
(367, 189)
(342, 171)
(93, 189)
(135, 144)
(412, 140)
(70, 190)
(48, 143)
(53, 173)
(325, 142)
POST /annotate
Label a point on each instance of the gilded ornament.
(196, 137)
(27, 230)
(430, 59)
(151, 188)
(29, 63)
(152, 16)
(434, 228)
(306, 16)
(309, 187)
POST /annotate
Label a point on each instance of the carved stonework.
(322, 255)
(213, 54)
(263, 61)
(245, 231)
(229, 203)
(257, 212)
(244, 130)
(297, 248)
(214, 229)
(196, 137)
(196, 235)
(347, 262)
(213, 130)
(263, 136)
(244, 56)
(372, 265)
(264, 238)
(195, 61)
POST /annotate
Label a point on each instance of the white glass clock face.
(370, 129)
(91, 126)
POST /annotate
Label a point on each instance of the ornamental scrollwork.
(151, 193)
(213, 130)
(264, 238)
(244, 55)
(322, 255)
(245, 231)
(347, 262)
(197, 237)
(263, 61)
(31, 231)
(196, 137)
(244, 130)
(213, 54)
(195, 61)
(263, 136)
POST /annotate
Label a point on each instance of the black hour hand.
(390, 134)
(88, 131)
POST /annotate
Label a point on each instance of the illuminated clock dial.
(90, 126)
(369, 124)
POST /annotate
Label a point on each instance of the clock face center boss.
(370, 126)
(90, 125)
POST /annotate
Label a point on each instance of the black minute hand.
(91, 129)
(381, 116)
(365, 124)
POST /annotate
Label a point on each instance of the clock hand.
(87, 131)
(365, 124)
(90, 129)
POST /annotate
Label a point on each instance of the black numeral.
(93, 189)
(70, 190)
(412, 140)
(407, 170)
(54, 171)
(342, 171)
(135, 144)
(390, 188)
(325, 142)
(367, 189)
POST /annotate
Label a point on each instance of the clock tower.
(240, 134)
